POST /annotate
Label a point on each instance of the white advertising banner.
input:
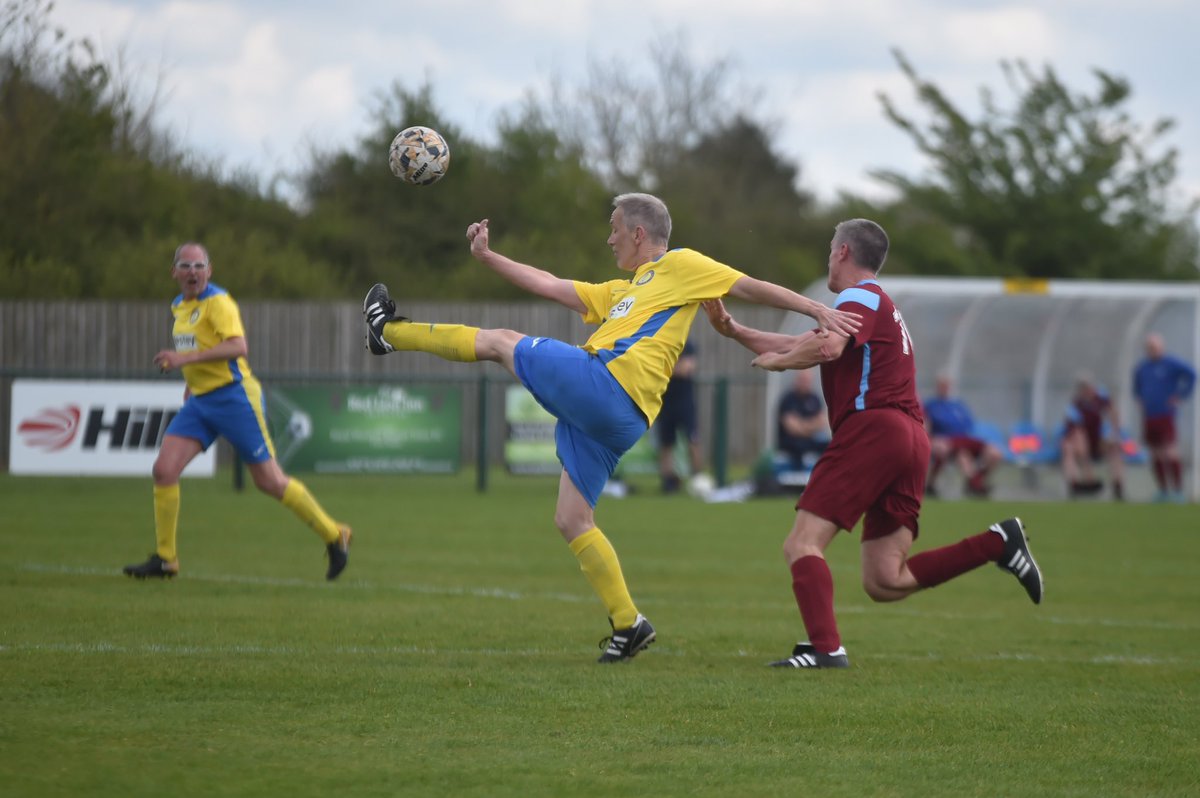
(94, 427)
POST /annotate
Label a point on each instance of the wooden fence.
(302, 342)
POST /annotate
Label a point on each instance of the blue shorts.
(597, 420)
(237, 411)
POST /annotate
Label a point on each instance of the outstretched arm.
(810, 349)
(776, 351)
(757, 341)
(534, 280)
(763, 293)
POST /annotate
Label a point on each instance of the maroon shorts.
(965, 443)
(1159, 431)
(1095, 445)
(875, 465)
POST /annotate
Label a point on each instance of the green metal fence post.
(481, 456)
(720, 431)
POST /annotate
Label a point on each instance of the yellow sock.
(166, 519)
(447, 341)
(599, 564)
(297, 499)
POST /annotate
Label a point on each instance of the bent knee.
(163, 475)
(794, 549)
(877, 592)
(881, 592)
(561, 522)
(572, 525)
(272, 485)
(880, 587)
(496, 344)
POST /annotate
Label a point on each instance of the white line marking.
(646, 596)
(166, 649)
(269, 581)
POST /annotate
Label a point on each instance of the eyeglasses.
(183, 264)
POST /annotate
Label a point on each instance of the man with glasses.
(222, 398)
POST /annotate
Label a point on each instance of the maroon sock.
(813, 585)
(1175, 469)
(935, 468)
(1160, 473)
(935, 566)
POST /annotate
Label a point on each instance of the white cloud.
(994, 34)
(250, 82)
(107, 24)
(328, 91)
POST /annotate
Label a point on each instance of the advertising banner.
(94, 427)
(529, 444)
(382, 429)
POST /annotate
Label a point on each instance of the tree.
(732, 197)
(1062, 184)
(632, 127)
(547, 207)
(689, 132)
(96, 198)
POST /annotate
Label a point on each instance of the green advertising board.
(377, 429)
(529, 444)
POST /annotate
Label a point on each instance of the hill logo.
(84, 426)
(51, 429)
(126, 428)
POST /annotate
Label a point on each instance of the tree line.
(1053, 182)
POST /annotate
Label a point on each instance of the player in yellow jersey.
(222, 398)
(606, 393)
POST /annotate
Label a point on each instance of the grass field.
(456, 654)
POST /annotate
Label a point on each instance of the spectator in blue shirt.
(801, 423)
(1160, 382)
(952, 437)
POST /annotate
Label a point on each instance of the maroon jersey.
(876, 369)
(1089, 413)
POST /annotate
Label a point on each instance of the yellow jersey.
(644, 321)
(201, 324)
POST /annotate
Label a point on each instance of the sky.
(258, 84)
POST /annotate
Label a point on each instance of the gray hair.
(179, 249)
(867, 241)
(648, 212)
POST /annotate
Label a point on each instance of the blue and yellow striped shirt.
(201, 324)
(644, 321)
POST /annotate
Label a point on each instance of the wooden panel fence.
(298, 342)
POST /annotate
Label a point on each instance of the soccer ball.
(419, 155)
(701, 485)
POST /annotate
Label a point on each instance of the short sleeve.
(866, 304)
(597, 298)
(225, 318)
(707, 278)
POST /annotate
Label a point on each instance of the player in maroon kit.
(1091, 433)
(876, 463)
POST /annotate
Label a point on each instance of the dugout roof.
(1014, 348)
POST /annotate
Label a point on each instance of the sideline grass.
(455, 655)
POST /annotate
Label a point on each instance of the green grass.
(455, 656)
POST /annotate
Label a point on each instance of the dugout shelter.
(1014, 349)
